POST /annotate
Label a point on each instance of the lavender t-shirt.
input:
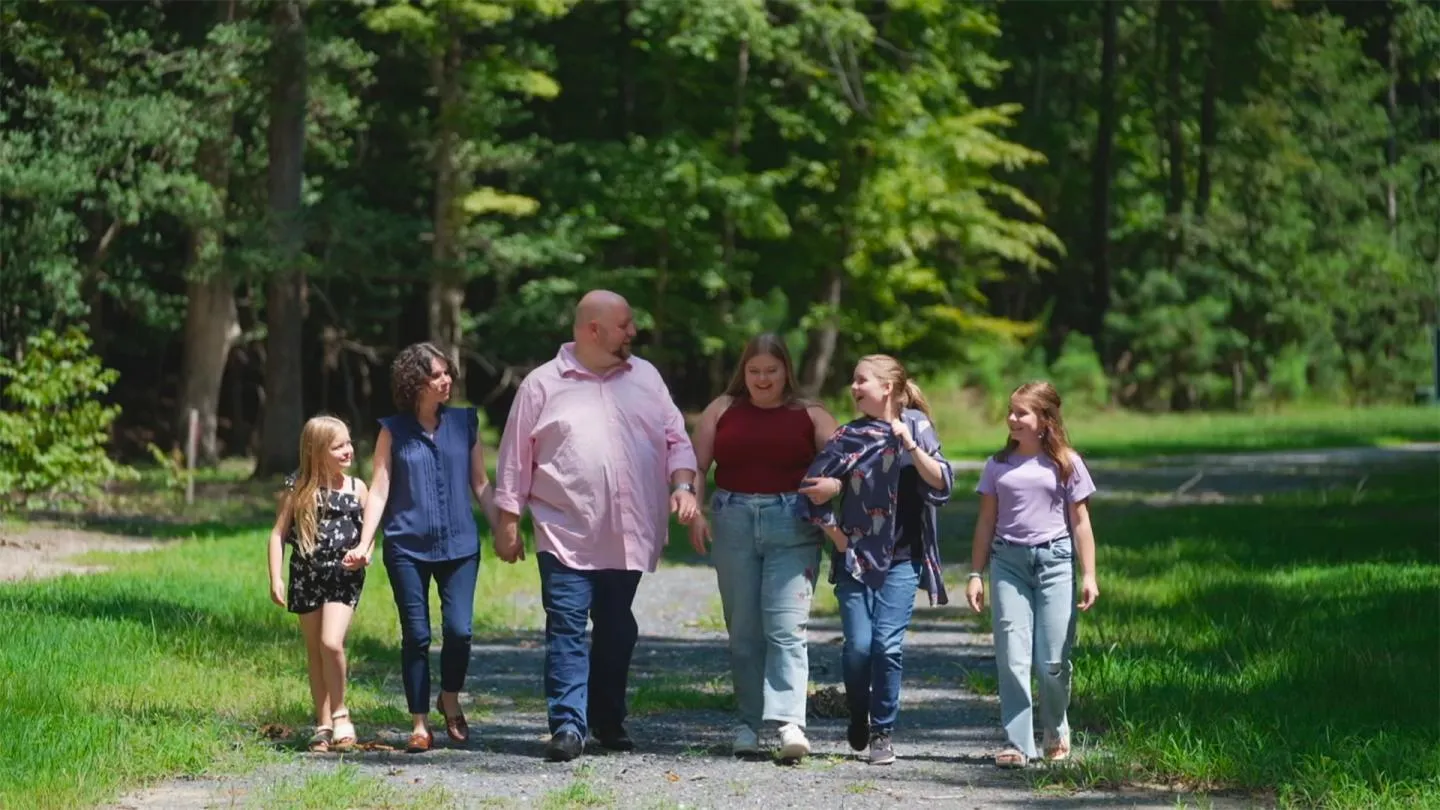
(1031, 506)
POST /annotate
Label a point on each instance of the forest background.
(244, 209)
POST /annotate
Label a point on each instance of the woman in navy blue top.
(428, 463)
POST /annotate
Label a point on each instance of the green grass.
(970, 432)
(657, 695)
(169, 663)
(345, 786)
(578, 794)
(1290, 646)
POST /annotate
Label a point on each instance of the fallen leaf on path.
(276, 731)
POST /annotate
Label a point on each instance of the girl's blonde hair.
(312, 478)
(773, 345)
(890, 370)
(1041, 399)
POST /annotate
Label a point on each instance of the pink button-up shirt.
(592, 457)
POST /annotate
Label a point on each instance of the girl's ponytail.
(915, 398)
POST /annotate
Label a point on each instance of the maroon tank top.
(763, 450)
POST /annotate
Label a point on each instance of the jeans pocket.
(1062, 549)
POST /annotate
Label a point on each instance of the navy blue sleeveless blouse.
(428, 515)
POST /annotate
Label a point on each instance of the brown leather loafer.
(419, 743)
(455, 727)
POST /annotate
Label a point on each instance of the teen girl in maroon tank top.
(763, 439)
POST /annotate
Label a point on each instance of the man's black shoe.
(858, 734)
(564, 746)
(615, 739)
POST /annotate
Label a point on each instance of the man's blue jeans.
(874, 622)
(585, 684)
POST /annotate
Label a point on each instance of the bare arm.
(704, 443)
(821, 490)
(825, 425)
(980, 552)
(379, 495)
(480, 484)
(925, 453)
(276, 551)
(1085, 552)
(931, 470)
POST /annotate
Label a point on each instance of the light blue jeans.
(1032, 592)
(766, 561)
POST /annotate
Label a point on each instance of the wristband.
(975, 575)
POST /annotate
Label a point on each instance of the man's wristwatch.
(682, 487)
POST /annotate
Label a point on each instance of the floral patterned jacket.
(867, 457)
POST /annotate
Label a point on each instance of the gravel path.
(945, 740)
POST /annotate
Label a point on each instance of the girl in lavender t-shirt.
(1034, 526)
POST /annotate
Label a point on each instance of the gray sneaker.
(881, 751)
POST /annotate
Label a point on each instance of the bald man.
(596, 449)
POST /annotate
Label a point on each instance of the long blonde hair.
(773, 345)
(313, 478)
(1041, 399)
(890, 370)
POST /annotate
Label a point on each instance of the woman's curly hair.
(411, 372)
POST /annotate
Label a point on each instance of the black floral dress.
(319, 577)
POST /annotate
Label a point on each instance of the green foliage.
(1078, 374)
(54, 429)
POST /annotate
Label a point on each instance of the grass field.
(169, 663)
(1288, 647)
(967, 430)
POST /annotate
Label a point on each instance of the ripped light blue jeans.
(766, 561)
(1033, 596)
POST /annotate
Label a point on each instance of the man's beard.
(622, 352)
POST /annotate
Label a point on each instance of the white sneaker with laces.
(793, 744)
(746, 742)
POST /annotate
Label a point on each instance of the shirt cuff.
(508, 502)
(680, 458)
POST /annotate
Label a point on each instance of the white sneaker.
(746, 742)
(793, 744)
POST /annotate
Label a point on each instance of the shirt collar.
(570, 365)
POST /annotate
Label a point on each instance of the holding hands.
(820, 490)
(355, 559)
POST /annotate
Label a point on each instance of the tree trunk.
(447, 281)
(212, 323)
(284, 414)
(1215, 16)
(1101, 172)
(1392, 149)
(1174, 137)
(820, 347)
(727, 237)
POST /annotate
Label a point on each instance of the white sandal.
(1011, 757)
(344, 731)
(321, 739)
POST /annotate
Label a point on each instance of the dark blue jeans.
(874, 623)
(410, 582)
(585, 686)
